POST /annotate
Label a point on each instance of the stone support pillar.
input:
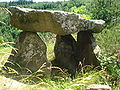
(30, 55)
(84, 50)
(64, 53)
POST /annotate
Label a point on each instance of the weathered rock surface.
(65, 53)
(58, 22)
(69, 53)
(30, 56)
(98, 87)
(85, 49)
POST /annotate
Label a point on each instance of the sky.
(33, 0)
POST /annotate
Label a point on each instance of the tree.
(107, 10)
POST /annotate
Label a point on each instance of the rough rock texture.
(85, 48)
(64, 53)
(58, 22)
(30, 56)
(98, 87)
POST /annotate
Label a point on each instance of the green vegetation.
(107, 10)
(108, 40)
(7, 32)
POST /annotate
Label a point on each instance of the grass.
(79, 83)
(5, 51)
(59, 83)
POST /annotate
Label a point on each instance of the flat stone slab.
(58, 22)
(98, 87)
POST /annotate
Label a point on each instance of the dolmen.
(69, 53)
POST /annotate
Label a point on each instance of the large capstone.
(30, 56)
(58, 22)
(65, 53)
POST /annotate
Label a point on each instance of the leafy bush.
(109, 41)
(107, 10)
(82, 10)
(7, 32)
(1, 39)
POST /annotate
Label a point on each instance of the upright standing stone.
(64, 53)
(84, 50)
(30, 56)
